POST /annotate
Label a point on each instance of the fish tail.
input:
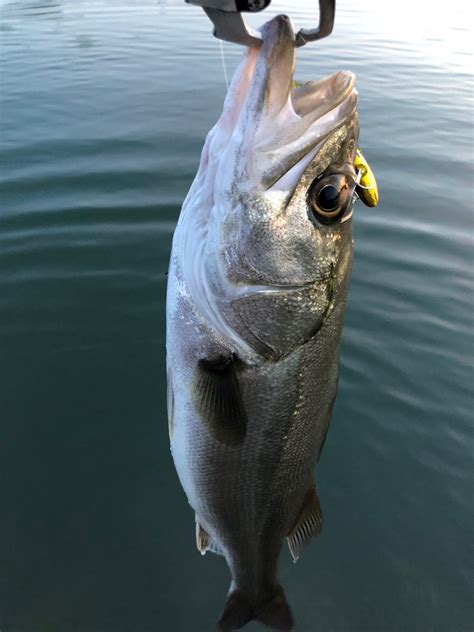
(239, 610)
(275, 613)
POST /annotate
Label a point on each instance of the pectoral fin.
(308, 524)
(218, 400)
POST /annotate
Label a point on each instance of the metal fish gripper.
(229, 25)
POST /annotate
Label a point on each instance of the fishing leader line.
(226, 77)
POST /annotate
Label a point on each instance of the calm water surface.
(104, 108)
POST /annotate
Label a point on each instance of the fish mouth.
(271, 125)
(275, 84)
(310, 101)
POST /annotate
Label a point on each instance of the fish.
(257, 289)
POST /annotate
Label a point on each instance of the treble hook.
(230, 26)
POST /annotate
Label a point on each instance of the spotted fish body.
(257, 289)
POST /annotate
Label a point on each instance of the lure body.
(367, 189)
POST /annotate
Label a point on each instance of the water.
(104, 107)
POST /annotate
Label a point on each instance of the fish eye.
(329, 197)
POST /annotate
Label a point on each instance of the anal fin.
(308, 524)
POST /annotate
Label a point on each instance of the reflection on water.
(104, 108)
(27, 8)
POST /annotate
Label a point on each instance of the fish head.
(268, 216)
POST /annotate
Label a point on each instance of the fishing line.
(223, 64)
(358, 179)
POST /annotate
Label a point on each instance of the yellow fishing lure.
(366, 188)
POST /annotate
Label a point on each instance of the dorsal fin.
(308, 524)
(219, 401)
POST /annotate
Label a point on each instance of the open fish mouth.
(310, 101)
(270, 125)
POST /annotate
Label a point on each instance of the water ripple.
(104, 108)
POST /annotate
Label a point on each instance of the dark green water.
(104, 108)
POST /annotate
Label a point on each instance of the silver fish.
(257, 289)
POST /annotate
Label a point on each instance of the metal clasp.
(327, 12)
(230, 26)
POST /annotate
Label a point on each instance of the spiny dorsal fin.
(204, 542)
(218, 400)
(309, 524)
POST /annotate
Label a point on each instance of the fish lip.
(313, 91)
(280, 28)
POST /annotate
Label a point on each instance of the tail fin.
(237, 612)
(275, 613)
